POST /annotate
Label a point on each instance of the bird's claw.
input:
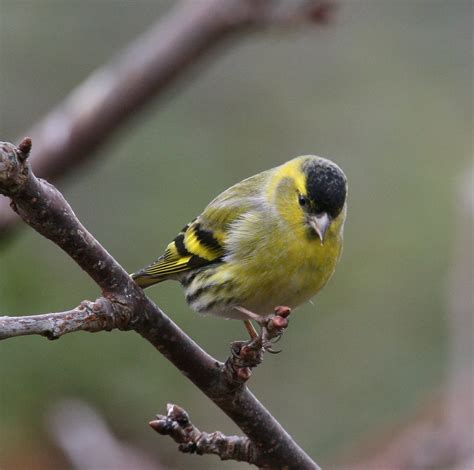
(270, 350)
(245, 355)
(236, 347)
(270, 341)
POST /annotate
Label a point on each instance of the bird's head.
(311, 192)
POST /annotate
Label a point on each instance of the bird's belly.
(288, 278)
(281, 287)
(262, 282)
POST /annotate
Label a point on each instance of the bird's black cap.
(326, 186)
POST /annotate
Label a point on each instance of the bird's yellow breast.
(286, 266)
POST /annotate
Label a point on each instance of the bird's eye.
(303, 201)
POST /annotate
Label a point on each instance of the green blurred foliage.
(384, 91)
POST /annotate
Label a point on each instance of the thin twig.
(43, 207)
(191, 440)
(88, 316)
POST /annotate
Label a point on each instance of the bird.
(273, 239)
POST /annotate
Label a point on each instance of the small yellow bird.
(272, 239)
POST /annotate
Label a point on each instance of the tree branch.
(126, 307)
(88, 316)
(71, 132)
(193, 441)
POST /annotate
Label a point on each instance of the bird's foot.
(245, 355)
(272, 327)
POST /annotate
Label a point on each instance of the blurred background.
(385, 91)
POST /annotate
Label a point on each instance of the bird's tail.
(144, 279)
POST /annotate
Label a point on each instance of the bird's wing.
(203, 241)
(192, 248)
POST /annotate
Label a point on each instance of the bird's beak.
(320, 223)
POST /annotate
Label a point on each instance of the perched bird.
(272, 239)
